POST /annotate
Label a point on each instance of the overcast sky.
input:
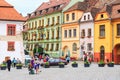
(26, 6)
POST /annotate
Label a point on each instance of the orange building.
(70, 30)
(116, 31)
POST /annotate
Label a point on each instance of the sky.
(26, 6)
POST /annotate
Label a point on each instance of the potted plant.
(111, 64)
(46, 65)
(61, 65)
(86, 64)
(74, 64)
(101, 64)
(19, 66)
(3, 66)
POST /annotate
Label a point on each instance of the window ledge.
(102, 37)
(117, 36)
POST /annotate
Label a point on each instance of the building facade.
(44, 28)
(70, 30)
(87, 32)
(11, 40)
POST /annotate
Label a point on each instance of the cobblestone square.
(68, 73)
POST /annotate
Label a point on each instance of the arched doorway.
(116, 54)
(66, 51)
(102, 53)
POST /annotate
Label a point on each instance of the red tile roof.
(51, 3)
(78, 6)
(7, 12)
(50, 6)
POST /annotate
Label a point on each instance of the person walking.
(9, 64)
(14, 61)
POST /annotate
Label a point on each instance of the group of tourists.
(35, 62)
(12, 62)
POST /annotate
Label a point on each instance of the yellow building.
(70, 30)
(103, 35)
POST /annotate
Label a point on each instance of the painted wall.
(18, 39)
(102, 41)
(86, 24)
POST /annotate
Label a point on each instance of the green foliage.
(61, 63)
(74, 62)
(46, 63)
(86, 62)
(101, 62)
(4, 64)
(18, 64)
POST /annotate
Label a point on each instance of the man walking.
(9, 64)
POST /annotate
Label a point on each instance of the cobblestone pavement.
(68, 73)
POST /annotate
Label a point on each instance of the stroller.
(31, 69)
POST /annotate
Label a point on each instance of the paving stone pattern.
(68, 73)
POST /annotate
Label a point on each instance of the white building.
(87, 32)
(11, 26)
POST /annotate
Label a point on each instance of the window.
(32, 24)
(57, 33)
(118, 11)
(74, 47)
(89, 46)
(101, 15)
(39, 22)
(88, 17)
(42, 22)
(40, 11)
(52, 46)
(73, 16)
(58, 19)
(53, 20)
(70, 34)
(35, 24)
(48, 21)
(83, 33)
(47, 47)
(11, 30)
(11, 46)
(48, 35)
(102, 30)
(52, 34)
(118, 29)
(57, 47)
(67, 17)
(84, 17)
(89, 32)
(65, 33)
(47, 10)
(74, 32)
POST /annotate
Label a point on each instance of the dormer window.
(47, 10)
(101, 15)
(40, 11)
(118, 11)
(84, 17)
(35, 13)
(88, 17)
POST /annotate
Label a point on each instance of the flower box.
(111, 64)
(74, 64)
(18, 66)
(46, 65)
(61, 65)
